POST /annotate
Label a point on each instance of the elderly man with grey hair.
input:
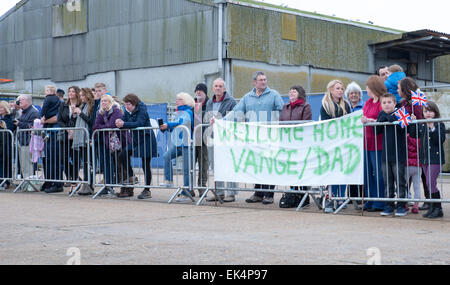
(261, 104)
(220, 104)
(25, 121)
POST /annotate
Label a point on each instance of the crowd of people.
(390, 161)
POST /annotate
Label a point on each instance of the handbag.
(114, 142)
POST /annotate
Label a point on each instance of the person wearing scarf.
(85, 115)
(297, 110)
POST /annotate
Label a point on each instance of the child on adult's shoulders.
(395, 75)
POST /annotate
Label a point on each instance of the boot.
(430, 210)
(437, 212)
(125, 192)
(432, 205)
(145, 194)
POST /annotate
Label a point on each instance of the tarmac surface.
(54, 229)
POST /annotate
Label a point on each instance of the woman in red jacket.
(373, 144)
(296, 110)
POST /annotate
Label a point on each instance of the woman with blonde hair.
(333, 103)
(107, 143)
(334, 106)
(179, 144)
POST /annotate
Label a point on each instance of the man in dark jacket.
(201, 151)
(219, 105)
(53, 151)
(25, 121)
(142, 144)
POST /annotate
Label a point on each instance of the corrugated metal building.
(157, 48)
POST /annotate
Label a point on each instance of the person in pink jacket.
(37, 142)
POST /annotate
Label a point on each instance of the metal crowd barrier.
(127, 163)
(203, 163)
(6, 157)
(377, 190)
(48, 155)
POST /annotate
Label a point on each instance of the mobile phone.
(160, 122)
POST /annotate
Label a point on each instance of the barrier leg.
(342, 206)
(109, 190)
(1, 185)
(203, 197)
(302, 202)
(72, 192)
(174, 195)
(22, 184)
(18, 187)
(218, 198)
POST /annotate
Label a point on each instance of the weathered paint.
(282, 78)
(442, 69)
(256, 35)
(278, 80)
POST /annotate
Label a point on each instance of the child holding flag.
(432, 157)
(393, 154)
(406, 87)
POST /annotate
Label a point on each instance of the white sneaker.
(182, 199)
(166, 184)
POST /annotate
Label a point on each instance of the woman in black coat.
(67, 119)
(6, 123)
(142, 144)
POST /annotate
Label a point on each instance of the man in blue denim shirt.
(261, 104)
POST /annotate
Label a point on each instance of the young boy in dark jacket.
(393, 156)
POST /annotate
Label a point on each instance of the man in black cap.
(201, 151)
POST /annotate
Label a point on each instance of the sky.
(406, 15)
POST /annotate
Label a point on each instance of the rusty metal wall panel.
(69, 19)
(256, 35)
(289, 27)
(442, 69)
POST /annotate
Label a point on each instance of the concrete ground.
(40, 228)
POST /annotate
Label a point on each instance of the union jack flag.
(418, 99)
(403, 117)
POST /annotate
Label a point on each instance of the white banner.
(312, 154)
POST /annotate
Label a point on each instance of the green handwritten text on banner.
(317, 153)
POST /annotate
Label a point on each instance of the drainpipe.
(309, 78)
(432, 72)
(220, 36)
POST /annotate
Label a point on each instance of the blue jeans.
(338, 190)
(172, 153)
(373, 179)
